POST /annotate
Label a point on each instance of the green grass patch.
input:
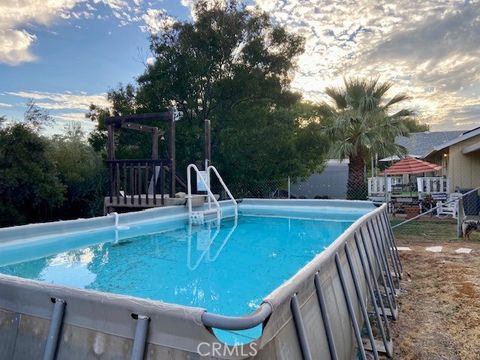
(429, 231)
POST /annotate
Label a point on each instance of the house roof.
(421, 143)
(462, 137)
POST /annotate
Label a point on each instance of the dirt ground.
(440, 297)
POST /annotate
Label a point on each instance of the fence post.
(289, 187)
(460, 217)
(385, 187)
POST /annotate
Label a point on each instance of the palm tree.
(361, 123)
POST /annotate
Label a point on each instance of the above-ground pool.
(229, 269)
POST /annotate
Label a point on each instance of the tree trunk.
(356, 185)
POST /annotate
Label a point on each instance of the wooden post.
(173, 169)
(155, 155)
(155, 144)
(111, 143)
(208, 145)
(111, 156)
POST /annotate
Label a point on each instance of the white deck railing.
(433, 184)
(378, 184)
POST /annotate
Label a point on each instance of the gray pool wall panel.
(98, 324)
(72, 226)
(280, 327)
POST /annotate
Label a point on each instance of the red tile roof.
(410, 165)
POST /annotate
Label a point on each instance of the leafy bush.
(30, 187)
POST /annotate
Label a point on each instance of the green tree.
(29, 185)
(362, 123)
(82, 172)
(36, 118)
(232, 66)
(414, 125)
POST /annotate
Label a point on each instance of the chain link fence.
(333, 182)
(311, 188)
(265, 189)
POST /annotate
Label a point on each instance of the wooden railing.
(137, 181)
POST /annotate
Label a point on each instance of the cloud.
(16, 16)
(15, 46)
(66, 119)
(156, 20)
(71, 116)
(59, 101)
(16, 42)
(5, 105)
(114, 4)
(150, 60)
(428, 49)
(190, 4)
(64, 107)
(444, 51)
(187, 3)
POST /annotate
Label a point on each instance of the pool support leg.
(301, 333)
(380, 322)
(351, 312)
(393, 242)
(386, 268)
(390, 251)
(376, 289)
(325, 317)
(383, 273)
(387, 255)
(363, 306)
(50, 352)
(140, 340)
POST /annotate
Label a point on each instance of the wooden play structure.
(142, 183)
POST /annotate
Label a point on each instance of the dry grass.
(440, 298)
(429, 230)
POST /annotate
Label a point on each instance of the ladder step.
(199, 217)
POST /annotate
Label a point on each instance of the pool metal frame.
(364, 261)
(387, 250)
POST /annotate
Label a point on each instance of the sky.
(66, 54)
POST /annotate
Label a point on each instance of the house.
(460, 159)
(458, 152)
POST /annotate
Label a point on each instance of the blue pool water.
(227, 269)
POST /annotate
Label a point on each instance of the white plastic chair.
(450, 207)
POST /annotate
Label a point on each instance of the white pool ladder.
(205, 246)
(199, 217)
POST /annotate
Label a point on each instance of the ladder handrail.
(206, 252)
(207, 187)
(235, 204)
